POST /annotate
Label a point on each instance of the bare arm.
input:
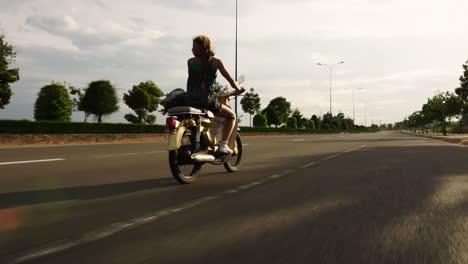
(228, 77)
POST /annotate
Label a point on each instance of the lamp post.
(365, 114)
(353, 90)
(235, 72)
(330, 68)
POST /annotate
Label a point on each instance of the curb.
(13, 140)
(454, 140)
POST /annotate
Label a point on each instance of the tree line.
(56, 101)
(440, 110)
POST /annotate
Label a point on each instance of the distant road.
(363, 198)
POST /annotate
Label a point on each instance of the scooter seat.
(184, 110)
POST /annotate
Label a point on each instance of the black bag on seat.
(173, 99)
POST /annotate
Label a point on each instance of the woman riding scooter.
(202, 71)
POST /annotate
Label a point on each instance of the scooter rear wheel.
(184, 173)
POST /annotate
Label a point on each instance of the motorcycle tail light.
(170, 122)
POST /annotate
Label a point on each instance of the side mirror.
(241, 79)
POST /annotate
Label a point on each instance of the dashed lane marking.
(114, 228)
(308, 165)
(131, 154)
(86, 144)
(29, 161)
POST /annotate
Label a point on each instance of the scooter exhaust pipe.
(203, 157)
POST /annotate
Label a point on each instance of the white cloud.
(399, 51)
(103, 33)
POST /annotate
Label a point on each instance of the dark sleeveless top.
(200, 86)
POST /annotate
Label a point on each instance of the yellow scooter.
(193, 141)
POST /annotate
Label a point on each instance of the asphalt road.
(366, 198)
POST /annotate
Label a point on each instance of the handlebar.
(228, 94)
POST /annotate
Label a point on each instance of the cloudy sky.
(399, 52)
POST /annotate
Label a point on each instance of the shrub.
(53, 103)
(260, 120)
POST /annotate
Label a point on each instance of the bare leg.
(230, 116)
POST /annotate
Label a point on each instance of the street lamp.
(235, 74)
(330, 68)
(354, 117)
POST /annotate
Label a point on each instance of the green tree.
(7, 74)
(462, 91)
(260, 120)
(309, 124)
(299, 118)
(100, 99)
(339, 121)
(77, 100)
(144, 98)
(218, 88)
(53, 103)
(277, 111)
(250, 103)
(327, 121)
(316, 121)
(292, 122)
(437, 108)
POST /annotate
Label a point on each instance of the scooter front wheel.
(234, 162)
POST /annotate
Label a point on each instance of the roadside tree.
(327, 121)
(7, 74)
(309, 124)
(299, 118)
(260, 120)
(144, 98)
(440, 107)
(462, 91)
(100, 99)
(77, 100)
(316, 121)
(250, 103)
(53, 103)
(291, 123)
(277, 111)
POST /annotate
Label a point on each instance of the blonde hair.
(205, 43)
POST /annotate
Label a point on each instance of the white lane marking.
(308, 165)
(326, 137)
(333, 156)
(89, 144)
(130, 154)
(249, 185)
(29, 161)
(133, 223)
(245, 144)
(360, 147)
(296, 140)
(107, 231)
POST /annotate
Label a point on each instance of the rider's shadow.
(81, 192)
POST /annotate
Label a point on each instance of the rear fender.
(175, 138)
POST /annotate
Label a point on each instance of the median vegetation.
(444, 112)
(57, 127)
(56, 101)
